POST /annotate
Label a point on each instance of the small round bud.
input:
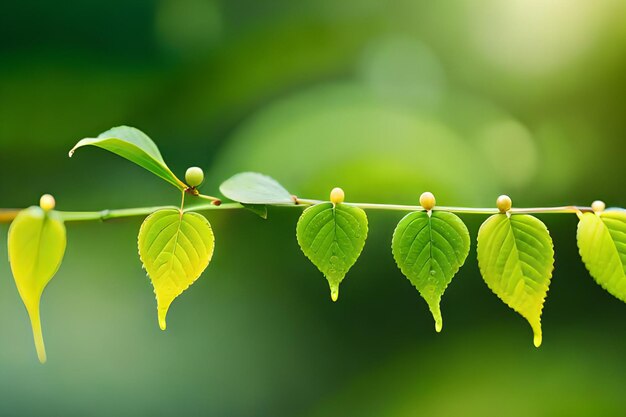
(47, 202)
(194, 176)
(504, 203)
(337, 195)
(598, 206)
(427, 200)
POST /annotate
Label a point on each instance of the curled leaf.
(175, 249)
(429, 249)
(254, 188)
(137, 147)
(37, 243)
(516, 259)
(332, 237)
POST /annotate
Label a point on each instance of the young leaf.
(36, 247)
(429, 249)
(516, 259)
(602, 244)
(175, 249)
(258, 209)
(332, 237)
(137, 147)
(253, 188)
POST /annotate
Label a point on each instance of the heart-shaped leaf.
(429, 249)
(175, 248)
(137, 147)
(254, 188)
(332, 237)
(37, 243)
(602, 245)
(516, 259)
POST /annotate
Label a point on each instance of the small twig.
(7, 215)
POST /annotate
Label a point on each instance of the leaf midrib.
(173, 254)
(520, 261)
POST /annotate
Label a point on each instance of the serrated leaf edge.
(537, 333)
(439, 319)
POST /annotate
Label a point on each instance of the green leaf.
(429, 249)
(602, 245)
(258, 209)
(254, 188)
(137, 147)
(516, 259)
(37, 243)
(332, 237)
(175, 249)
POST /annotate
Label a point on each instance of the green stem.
(215, 200)
(470, 210)
(182, 202)
(81, 216)
(7, 215)
(211, 206)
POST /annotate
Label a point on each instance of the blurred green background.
(468, 99)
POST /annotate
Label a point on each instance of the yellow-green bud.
(337, 195)
(194, 176)
(504, 203)
(598, 206)
(46, 202)
(427, 200)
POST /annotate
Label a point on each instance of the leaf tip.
(38, 336)
(334, 293)
(161, 315)
(435, 310)
(438, 325)
(40, 347)
(71, 151)
(537, 333)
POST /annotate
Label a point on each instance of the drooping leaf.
(37, 243)
(258, 209)
(602, 245)
(137, 147)
(332, 237)
(429, 249)
(175, 249)
(516, 259)
(254, 188)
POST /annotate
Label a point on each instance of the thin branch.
(470, 210)
(7, 215)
